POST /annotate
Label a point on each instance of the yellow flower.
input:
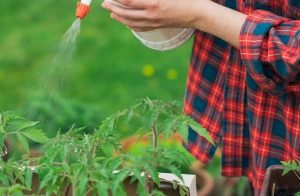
(172, 74)
(148, 70)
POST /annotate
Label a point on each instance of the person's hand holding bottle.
(143, 15)
(205, 15)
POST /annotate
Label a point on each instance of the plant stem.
(73, 189)
(154, 146)
(147, 182)
(154, 136)
(297, 174)
(94, 148)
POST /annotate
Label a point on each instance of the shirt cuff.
(254, 46)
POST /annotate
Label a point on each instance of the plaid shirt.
(249, 99)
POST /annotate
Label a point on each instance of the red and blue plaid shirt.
(249, 99)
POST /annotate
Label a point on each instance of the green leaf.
(200, 130)
(28, 178)
(23, 141)
(107, 126)
(118, 178)
(290, 165)
(183, 190)
(114, 163)
(16, 190)
(156, 192)
(4, 179)
(132, 179)
(54, 179)
(36, 135)
(108, 149)
(129, 116)
(175, 184)
(152, 172)
(297, 194)
(23, 125)
(141, 191)
(121, 191)
(286, 170)
(46, 179)
(168, 126)
(183, 129)
(174, 170)
(102, 188)
(284, 163)
(2, 144)
(19, 175)
(152, 119)
(2, 131)
(137, 173)
(82, 184)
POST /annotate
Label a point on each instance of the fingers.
(136, 25)
(131, 14)
(124, 12)
(137, 4)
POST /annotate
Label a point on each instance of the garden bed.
(166, 186)
(80, 163)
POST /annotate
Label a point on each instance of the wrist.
(201, 11)
(220, 21)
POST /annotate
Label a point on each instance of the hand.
(145, 15)
(204, 15)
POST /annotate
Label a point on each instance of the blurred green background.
(110, 68)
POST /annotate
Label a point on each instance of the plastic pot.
(276, 184)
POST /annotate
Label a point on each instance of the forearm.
(219, 21)
(205, 15)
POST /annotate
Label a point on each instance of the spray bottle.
(159, 39)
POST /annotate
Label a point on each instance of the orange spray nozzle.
(82, 10)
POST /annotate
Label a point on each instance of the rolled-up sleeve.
(270, 50)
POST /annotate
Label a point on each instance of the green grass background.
(106, 72)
